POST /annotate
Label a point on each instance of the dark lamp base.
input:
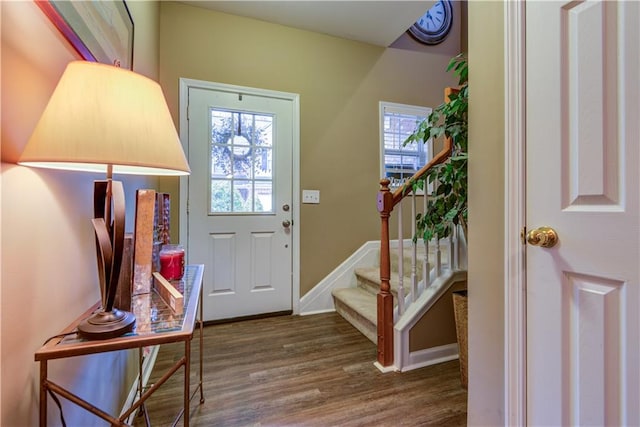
(106, 324)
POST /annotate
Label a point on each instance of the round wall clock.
(435, 24)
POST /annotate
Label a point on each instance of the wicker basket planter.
(460, 313)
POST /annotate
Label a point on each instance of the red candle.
(172, 262)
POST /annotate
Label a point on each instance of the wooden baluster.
(400, 255)
(414, 250)
(451, 254)
(438, 253)
(459, 248)
(385, 298)
(456, 248)
(438, 258)
(426, 267)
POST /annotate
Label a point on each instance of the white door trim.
(515, 403)
(185, 84)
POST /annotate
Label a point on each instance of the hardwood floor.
(311, 371)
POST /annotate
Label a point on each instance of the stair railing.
(386, 202)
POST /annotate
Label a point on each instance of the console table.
(156, 324)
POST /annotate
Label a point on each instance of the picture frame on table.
(100, 31)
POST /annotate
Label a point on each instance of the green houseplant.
(447, 205)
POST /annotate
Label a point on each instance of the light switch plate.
(310, 196)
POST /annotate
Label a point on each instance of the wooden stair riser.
(358, 315)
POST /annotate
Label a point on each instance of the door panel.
(240, 153)
(582, 180)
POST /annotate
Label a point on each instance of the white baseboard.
(309, 313)
(421, 358)
(431, 356)
(147, 366)
(385, 369)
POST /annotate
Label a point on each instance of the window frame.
(385, 108)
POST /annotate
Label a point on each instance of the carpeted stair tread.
(359, 308)
(358, 305)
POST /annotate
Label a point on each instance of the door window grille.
(397, 122)
(241, 162)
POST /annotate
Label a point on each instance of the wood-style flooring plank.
(303, 371)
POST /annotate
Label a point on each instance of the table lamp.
(105, 119)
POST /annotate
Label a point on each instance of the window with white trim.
(397, 122)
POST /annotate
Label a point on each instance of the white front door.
(240, 199)
(582, 162)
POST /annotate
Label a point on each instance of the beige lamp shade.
(99, 116)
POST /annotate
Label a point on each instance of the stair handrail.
(385, 203)
(404, 190)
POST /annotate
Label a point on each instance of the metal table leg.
(43, 393)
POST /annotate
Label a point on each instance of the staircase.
(358, 305)
(386, 304)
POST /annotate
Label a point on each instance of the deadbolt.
(285, 208)
(545, 237)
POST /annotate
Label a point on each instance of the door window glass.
(241, 162)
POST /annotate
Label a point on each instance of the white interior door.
(240, 204)
(582, 179)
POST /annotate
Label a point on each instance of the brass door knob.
(545, 237)
(286, 223)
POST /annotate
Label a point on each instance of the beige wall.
(437, 327)
(340, 83)
(486, 214)
(48, 266)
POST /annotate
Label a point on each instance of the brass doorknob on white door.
(286, 223)
(545, 237)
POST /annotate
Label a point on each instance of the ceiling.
(375, 22)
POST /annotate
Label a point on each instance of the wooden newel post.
(385, 298)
